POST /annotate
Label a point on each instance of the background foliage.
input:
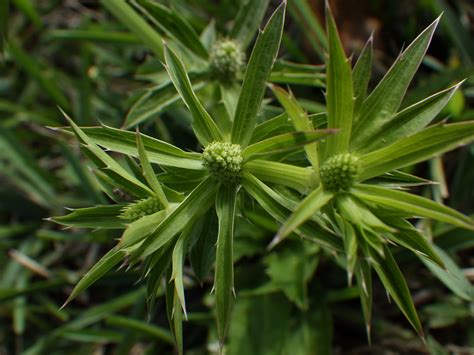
(83, 57)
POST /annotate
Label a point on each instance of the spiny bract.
(142, 208)
(339, 172)
(224, 161)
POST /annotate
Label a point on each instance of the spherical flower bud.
(142, 208)
(339, 172)
(227, 60)
(223, 161)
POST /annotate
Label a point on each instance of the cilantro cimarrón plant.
(360, 191)
(165, 214)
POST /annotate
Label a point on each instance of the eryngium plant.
(354, 206)
(163, 225)
(361, 193)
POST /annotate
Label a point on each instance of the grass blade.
(127, 15)
(42, 74)
(310, 25)
(4, 11)
(247, 21)
(174, 25)
(256, 75)
(107, 262)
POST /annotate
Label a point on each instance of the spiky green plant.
(355, 205)
(361, 193)
(214, 59)
(236, 156)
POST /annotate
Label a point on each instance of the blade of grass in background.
(135, 23)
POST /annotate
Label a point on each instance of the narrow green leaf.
(141, 229)
(158, 152)
(300, 120)
(410, 120)
(386, 98)
(43, 75)
(224, 275)
(93, 217)
(140, 327)
(107, 262)
(203, 252)
(309, 206)
(193, 206)
(27, 7)
(247, 21)
(4, 11)
(359, 214)
(292, 176)
(273, 204)
(22, 161)
(271, 127)
(149, 173)
(310, 25)
(452, 276)
(363, 274)
(409, 203)
(339, 91)
(174, 25)
(108, 165)
(454, 26)
(205, 128)
(395, 283)
(127, 15)
(157, 100)
(412, 239)
(284, 142)
(175, 315)
(415, 148)
(178, 256)
(155, 268)
(256, 75)
(94, 35)
(350, 246)
(284, 72)
(397, 178)
(361, 76)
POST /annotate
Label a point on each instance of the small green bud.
(227, 60)
(142, 208)
(339, 172)
(223, 161)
